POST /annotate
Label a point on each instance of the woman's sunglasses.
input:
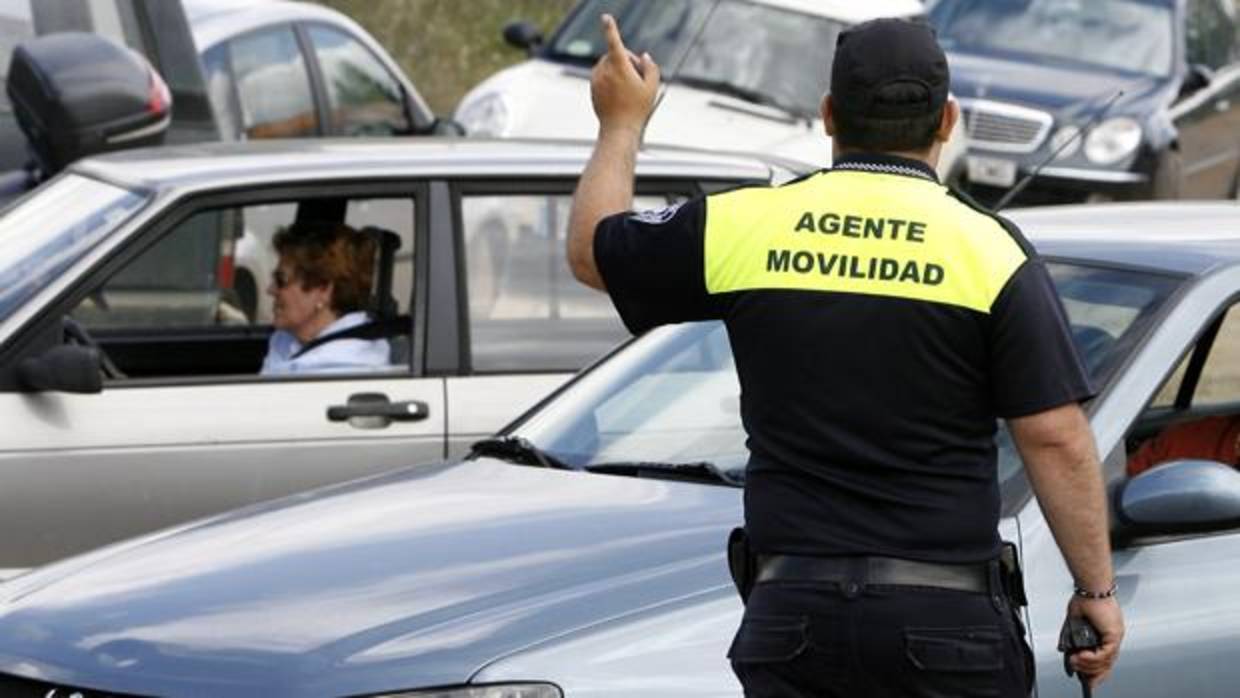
(279, 279)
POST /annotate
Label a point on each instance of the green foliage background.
(448, 46)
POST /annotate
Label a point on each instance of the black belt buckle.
(1013, 577)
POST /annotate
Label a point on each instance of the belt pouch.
(742, 563)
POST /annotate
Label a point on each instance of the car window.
(1129, 35)
(673, 397)
(273, 85)
(364, 98)
(210, 274)
(743, 49)
(222, 90)
(1219, 382)
(526, 311)
(48, 231)
(1210, 34)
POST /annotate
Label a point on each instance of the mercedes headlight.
(505, 690)
(486, 116)
(1113, 140)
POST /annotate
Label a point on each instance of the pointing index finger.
(615, 45)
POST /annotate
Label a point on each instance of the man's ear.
(951, 114)
(828, 115)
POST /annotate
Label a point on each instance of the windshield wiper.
(699, 471)
(516, 449)
(744, 94)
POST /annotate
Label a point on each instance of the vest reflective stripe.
(833, 232)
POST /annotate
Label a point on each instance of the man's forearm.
(605, 188)
(1062, 462)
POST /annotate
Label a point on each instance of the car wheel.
(1168, 176)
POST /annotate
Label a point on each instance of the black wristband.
(1087, 594)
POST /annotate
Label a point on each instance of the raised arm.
(623, 89)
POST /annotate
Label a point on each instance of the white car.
(741, 74)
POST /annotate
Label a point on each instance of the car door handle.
(379, 409)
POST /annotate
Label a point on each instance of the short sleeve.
(1034, 365)
(653, 265)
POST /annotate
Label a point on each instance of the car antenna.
(680, 62)
(1020, 186)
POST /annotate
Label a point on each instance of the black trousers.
(826, 640)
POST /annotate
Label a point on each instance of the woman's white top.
(339, 355)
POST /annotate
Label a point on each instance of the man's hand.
(623, 86)
(1105, 616)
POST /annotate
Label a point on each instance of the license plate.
(992, 171)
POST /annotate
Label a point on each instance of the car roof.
(212, 21)
(850, 11)
(1183, 237)
(208, 165)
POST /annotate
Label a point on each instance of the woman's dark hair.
(323, 252)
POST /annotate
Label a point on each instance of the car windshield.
(746, 50)
(673, 395)
(1129, 35)
(50, 229)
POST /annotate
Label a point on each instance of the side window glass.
(1211, 34)
(199, 301)
(273, 85)
(526, 311)
(1220, 377)
(222, 91)
(365, 99)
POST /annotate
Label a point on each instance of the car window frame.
(180, 210)
(319, 81)
(489, 186)
(313, 80)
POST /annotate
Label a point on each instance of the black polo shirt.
(880, 326)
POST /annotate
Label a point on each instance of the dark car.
(1143, 96)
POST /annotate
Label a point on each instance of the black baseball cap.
(889, 69)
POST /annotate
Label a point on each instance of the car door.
(186, 427)
(530, 325)
(1208, 119)
(1176, 590)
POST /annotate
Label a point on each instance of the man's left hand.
(623, 86)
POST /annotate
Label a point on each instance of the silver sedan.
(581, 556)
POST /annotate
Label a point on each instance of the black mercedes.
(1121, 99)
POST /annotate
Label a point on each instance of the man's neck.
(930, 156)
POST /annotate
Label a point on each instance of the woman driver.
(320, 288)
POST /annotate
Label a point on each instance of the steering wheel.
(76, 333)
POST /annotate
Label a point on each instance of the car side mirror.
(68, 368)
(1199, 77)
(523, 35)
(1180, 496)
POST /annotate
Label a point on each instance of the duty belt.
(874, 570)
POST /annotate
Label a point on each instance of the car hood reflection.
(416, 579)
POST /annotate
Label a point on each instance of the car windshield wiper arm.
(702, 471)
(516, 449)
(744, 94)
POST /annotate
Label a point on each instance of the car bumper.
(1063, 185)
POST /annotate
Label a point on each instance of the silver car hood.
(416, 579)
